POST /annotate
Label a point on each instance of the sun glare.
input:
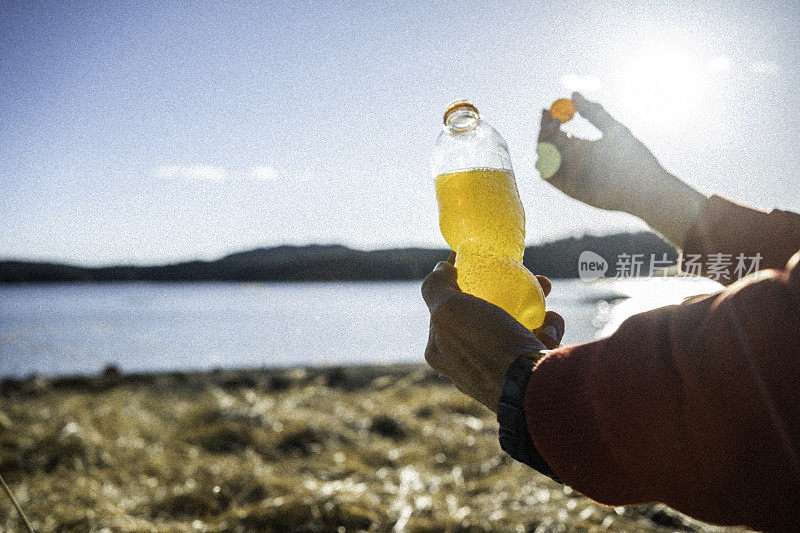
(663, 84)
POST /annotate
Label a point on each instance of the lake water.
(82, 328)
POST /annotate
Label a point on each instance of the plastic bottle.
(481, 216)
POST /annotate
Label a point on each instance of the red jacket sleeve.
(724, 231)
(696, 406)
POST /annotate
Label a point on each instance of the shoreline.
(555, 259)
(266, 379)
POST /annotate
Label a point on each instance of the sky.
(146, 132)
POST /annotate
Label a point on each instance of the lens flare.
(548, 160)
(664, 84)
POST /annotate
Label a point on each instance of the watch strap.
(515, 439)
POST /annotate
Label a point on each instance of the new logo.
(591, 266)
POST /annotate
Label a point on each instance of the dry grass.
(328, 451)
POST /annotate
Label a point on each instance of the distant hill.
(557, 259)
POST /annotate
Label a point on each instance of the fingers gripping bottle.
(481, 216)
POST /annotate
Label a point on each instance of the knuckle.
(436, 280)
(425, 289)
(428, 286)
(432, 357)
(620, 130)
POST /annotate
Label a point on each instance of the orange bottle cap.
(562, 109)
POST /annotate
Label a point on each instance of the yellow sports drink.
(481, 216)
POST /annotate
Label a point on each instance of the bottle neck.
(461, 116)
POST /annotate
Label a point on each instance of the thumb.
(439, 285)
(552, 331)
(594, 113)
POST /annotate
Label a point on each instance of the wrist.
(649, 188)
(515, 439)
(671, 207)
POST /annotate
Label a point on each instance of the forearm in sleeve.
(694, 405)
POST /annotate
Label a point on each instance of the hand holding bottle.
(472, 342)
(619, 173)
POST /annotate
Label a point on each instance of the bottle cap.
(562, 110)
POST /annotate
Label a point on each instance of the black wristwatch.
(515, 439)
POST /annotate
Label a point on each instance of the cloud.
(263, 173)
(581, 83)
(214, 173)
(192, 172)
